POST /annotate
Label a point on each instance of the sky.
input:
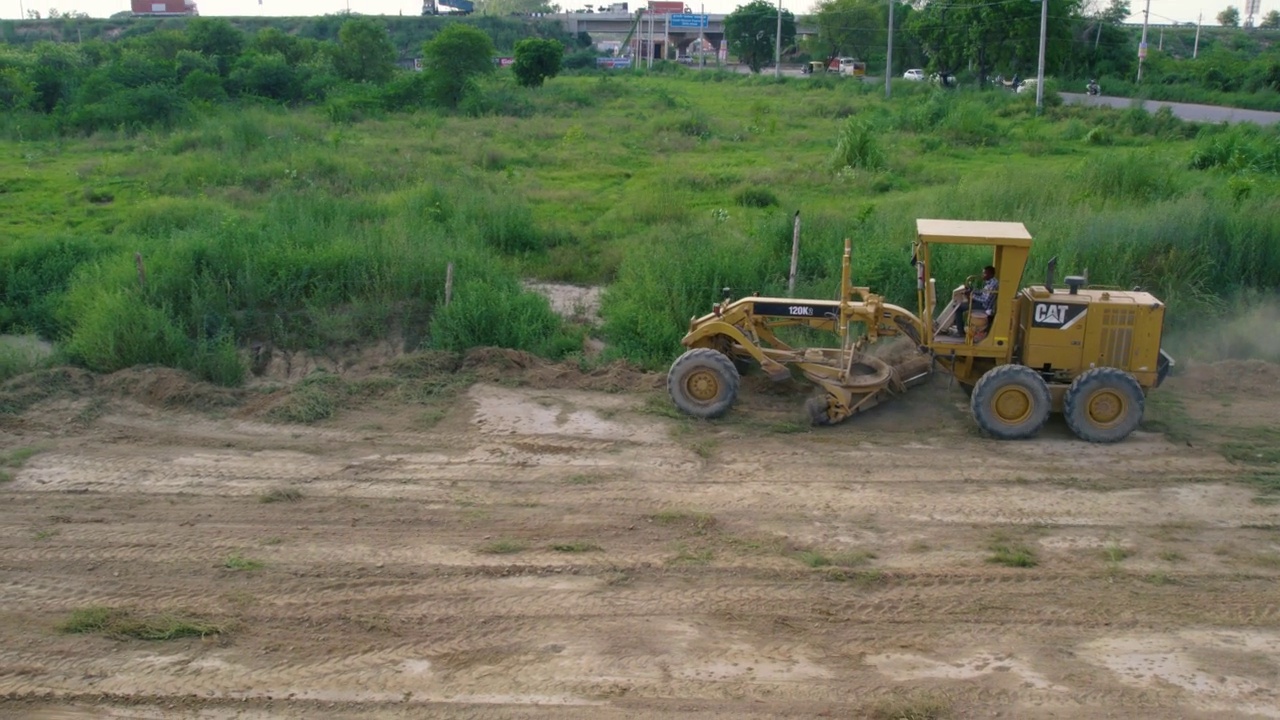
(1162, 11)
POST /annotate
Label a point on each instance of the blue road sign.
(688, 21)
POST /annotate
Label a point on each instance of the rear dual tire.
(1012, 402)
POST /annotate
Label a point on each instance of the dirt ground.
(537, 550)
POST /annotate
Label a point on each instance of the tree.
(1229, 17)
(751, 31)
(1116, 14)
(851, 27)
(537, 60)
(364, 52)
(454, 59)
(511, 7)
(216, 38)
(990, 35)
(1271, 20)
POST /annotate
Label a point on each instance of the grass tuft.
(1011, 554)
(576, 547)
(698, 522)
(123, 624)
(238, 562)
(504, 546)
(1114, 553)
(281, 495)
(916, 706)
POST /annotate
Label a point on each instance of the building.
(163, 7)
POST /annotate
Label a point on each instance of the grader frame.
(1090, 354)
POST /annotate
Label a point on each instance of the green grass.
(122, 624)
(577, 546)
(262, 225)
(281, 495)
(1114, 553)
(14, 460)
(1009, 552)
(238, 562)
(846, 559)
(911, 706)
(503, 546)
(698, 523)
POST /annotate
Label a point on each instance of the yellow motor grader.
(1088, 353)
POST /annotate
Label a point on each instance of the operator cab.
(988, 333)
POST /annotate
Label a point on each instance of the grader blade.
(867, 381)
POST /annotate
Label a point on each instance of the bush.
(1139, 176)
(118, 329)
(857, 146)
(757, 197)
(496, 312)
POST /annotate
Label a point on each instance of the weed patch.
(1012, 554)
(579, 546)
(503, 546)
(699, 523)
(914, 706)
(281, 495)
(238, 562)
(123, 624)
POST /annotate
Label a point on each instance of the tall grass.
(287, 228)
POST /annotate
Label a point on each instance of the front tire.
(703, 383)
(1104, 405)
(1011, 402)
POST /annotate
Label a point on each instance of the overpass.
(606, 23)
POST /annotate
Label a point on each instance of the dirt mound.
(500, 365)
(1229, 377)
(22, 392)
(166, 387)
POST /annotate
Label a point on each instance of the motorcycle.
(1093, 88)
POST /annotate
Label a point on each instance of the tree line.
(158, 77)
(982, 38)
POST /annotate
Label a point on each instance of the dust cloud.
(1250, 332)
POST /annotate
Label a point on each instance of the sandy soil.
(654, 566)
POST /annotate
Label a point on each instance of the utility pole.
(777, 45)
(888, 60)
(1196, 50)
(1044, 24)
(1161, 38)
(702, 50)
(1142, 46)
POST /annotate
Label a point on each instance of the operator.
(984, 299)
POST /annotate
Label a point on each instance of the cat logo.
(1049, 315)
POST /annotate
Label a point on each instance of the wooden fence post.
(448, 284)
(795, 256)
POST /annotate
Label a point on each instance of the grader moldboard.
(1091, 354)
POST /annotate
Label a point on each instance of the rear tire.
(703, 383)
(1011, 402)
(1104, 405)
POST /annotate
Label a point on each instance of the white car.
(1027, 85)
(913, 74)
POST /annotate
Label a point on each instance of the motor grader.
(1091, 354)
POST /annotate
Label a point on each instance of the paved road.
(1185, 111)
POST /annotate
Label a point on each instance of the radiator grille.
(1117, 336)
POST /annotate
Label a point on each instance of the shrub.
(497, 312)
(757, 197)
(1141, 176)
(857, 146)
